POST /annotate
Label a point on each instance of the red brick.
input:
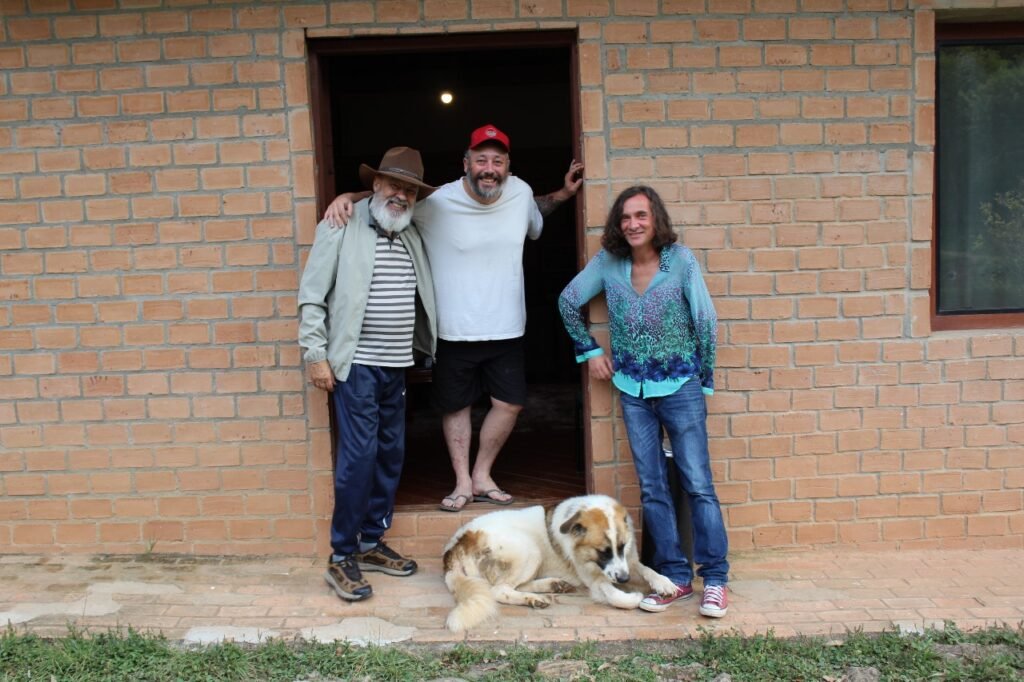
(764, 29)
(33, 534)
(24, 29)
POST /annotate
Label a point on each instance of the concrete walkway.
(206, 600)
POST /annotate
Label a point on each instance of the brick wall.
(156, 195)
(154, 164)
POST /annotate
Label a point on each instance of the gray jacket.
(336, 285)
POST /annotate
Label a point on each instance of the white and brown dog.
(522, 556)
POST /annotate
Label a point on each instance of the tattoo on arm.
(548, 203)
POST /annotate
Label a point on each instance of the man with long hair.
(663, 331)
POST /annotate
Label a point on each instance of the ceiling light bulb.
(446, 97)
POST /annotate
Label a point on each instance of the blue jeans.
(370, 411)
(683, 415)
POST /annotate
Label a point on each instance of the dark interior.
(380, 99)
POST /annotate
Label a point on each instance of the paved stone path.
(211, 599)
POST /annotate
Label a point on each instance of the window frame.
(959, 34)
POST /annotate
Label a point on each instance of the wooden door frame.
(319, 49)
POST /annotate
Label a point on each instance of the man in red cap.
(366, 299)
(474, 230)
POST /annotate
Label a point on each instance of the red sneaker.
(715, 601)
(655, 603)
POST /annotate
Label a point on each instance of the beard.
(380, 209)
(474, 183)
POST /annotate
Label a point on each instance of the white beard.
(388, 221)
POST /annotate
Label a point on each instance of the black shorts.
(466, 370)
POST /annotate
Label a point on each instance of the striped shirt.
(385, 339)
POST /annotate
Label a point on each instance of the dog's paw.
(561, 587)
(664, 586)
(627, 600)
(538, 601)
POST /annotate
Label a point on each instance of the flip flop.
(456, 507)
(485, 496)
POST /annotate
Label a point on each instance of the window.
(979, 231)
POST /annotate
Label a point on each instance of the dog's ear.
(627, 521)
(573, 526)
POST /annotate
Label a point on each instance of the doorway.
(369, 94)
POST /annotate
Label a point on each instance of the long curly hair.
(615, 242)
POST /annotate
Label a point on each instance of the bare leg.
(458, 430)
(497, 426)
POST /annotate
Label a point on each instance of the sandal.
(455, 506)
(486, 496)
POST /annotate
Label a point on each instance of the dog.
(522, 556)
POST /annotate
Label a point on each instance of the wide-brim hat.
(400, 163)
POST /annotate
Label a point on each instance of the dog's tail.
(474, 602)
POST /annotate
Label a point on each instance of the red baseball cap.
(488, 133)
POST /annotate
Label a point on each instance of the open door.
(370, 94)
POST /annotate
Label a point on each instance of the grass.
(950, 654)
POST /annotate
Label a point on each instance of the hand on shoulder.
(340, 210)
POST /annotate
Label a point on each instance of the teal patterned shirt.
(660, 339)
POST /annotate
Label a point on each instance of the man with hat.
(366, 299)
(474, 230)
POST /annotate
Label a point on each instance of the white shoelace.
(715, 594)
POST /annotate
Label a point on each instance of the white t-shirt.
(476, 258)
